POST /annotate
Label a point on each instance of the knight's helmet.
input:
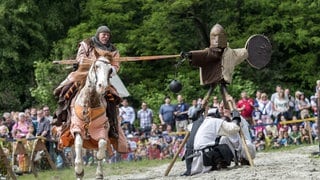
(102, 29)
(218, 37)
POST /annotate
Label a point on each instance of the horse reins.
(86, 110)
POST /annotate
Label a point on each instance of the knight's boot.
(113, 131)
(112, 115)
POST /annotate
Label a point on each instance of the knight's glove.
(185, 55)
(75, 66)
(236, 117)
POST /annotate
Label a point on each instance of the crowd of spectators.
(15, 126)
(272, 122)
(272, 125)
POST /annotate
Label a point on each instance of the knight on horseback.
(88, 102)
(68, 88)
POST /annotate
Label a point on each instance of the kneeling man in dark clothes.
(215, 143)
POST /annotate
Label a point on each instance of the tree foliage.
(28, 30)
(43, 31)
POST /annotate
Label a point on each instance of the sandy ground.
(291, 164)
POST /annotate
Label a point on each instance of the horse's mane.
(107, 54)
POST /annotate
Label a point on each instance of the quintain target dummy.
(217, 63)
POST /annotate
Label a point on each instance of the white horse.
(89, 123)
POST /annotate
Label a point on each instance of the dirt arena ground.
(291, 164)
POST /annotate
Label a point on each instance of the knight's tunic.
(217, 64)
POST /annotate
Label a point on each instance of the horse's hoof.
(80, 175)
(100, 176)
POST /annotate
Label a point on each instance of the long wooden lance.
(122, 59)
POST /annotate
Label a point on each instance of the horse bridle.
(94, 68)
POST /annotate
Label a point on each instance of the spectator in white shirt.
(127, 115)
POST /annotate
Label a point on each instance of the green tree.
(29, 29)
(43, 31)
(21, 42)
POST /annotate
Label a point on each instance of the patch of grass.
(123, 167)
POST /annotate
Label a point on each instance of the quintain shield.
(259, 51)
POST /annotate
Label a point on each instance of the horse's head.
(99, 74)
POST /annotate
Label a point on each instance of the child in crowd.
(141, 152)
(4, 131)
(165, 153)
(256, 114)
(30, 135)
(132, 146)
(272, 128)
(295, 135)
(154, 151)
(260, 141)
(305, 138)
(283, 140)
(176, 146)
(259, 128)
(270, 139)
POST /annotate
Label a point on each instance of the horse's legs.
(78, 164)
(100, 155)
(101, 149)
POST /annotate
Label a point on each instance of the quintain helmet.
(218, 37)
(175, 86)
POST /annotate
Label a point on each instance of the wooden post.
(20, 149)
(177, 153)
(308, 128)
(6, 163)
(39, 145)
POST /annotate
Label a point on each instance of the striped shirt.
(146, 117)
